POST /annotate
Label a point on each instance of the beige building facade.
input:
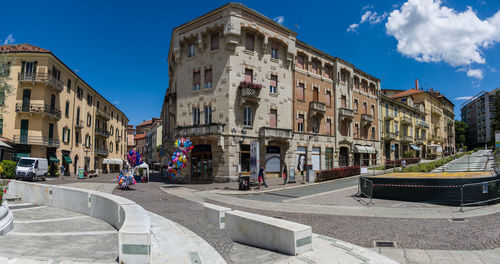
(52, 113)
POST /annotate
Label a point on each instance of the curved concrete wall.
(130, 219)
(6, 219)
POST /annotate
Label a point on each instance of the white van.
(32, 169)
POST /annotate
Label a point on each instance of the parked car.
(32, 169)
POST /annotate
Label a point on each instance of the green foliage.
(5, 86)
(427, 167)
(461, 130)
(8, 169)
(141, 172)
(409, 154)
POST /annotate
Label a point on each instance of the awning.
(22, 155)
(67, 159)
(370, 150)
(415, 147)
(53, 158)
(4, 145)
(112, 161)
(360, 149)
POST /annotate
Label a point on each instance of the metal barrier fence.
(488, 190)
(365, 183)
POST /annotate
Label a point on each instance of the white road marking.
(89, 233)
(49, 220)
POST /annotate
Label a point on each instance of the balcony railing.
(406, 120)
(103, 114)
(422, 124)
(102, 132)
(249, 92)
(367, 118)
(389, 135)
(38, 108)
(436, 138)
(346, 112)
(41, 77)
(435, 110)
(419, 140)
(79, 124)
(200, 130)
(103, 152)
(36, 140)
(406, 138)
(388, 117)
(317, 107)
(275, 133)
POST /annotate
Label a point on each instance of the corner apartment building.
(130, 137)
(52, 113)
(479, 114)
(439, 137)
(237, 77)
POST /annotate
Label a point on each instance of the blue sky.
(120, 47)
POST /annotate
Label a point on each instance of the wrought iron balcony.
(275, 133)
(249, 92)
(102, 132)
(103, 152)
(36, 140)
(200, 130)
(316, 107)
(406, 138)
(103, 114)
(346, 113)
(41, 78)
(389, 135)
(39, 108)
(79, 124)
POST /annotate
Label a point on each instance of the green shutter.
(1, 126)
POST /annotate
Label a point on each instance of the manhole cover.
(458, 220)
(385, 244)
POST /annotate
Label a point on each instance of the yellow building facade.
(52, 113)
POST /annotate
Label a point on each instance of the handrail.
(462, 204)
(38, 108)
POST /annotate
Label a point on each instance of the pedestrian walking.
(262, 179)
(285, 174)
(62, 171)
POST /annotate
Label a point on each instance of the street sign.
(254, 160)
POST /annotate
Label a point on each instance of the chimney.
(416, 84)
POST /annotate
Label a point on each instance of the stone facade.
(52, 113)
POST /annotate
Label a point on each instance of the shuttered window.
(249, 43)
(328, 128)
(274, 50)
(196, 81)
(273, 84)
(273, 118)
(300, 123)
(208, 78)
(314, 67)
(248, 75)
(300, 91)
(300, 62)
(214, 41)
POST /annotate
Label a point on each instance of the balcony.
(436, 111)
(103, 114)
(118, 138)
(317, 108)
(102, 132)
(43, 78)
(200, 130)
(389, 135)
(436, 138)
(39, 108)
(406, 138)
(419, 141)
(388, 117)
(274, 133)
(436, 125)
(422, 124)
(346, 113)
(79, 124)
(36, 140)
(366, 119)
(249, 92)
(406, 121)
(102, 152)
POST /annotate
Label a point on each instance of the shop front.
(201, 163)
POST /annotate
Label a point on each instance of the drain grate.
(385, 244)
(279, 217)
(458, 220)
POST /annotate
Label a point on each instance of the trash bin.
(244, 183)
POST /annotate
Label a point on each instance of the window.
(300, 123)
(326, 72)
(329, 158)
(363, 86)
(273, 118)
(356, 82)
(248, 75)
(110, 146)
(111, 131)
(314, 67)
(214, 41)
(343, 101)
(328, 98)
(316, 125)
(208, 114)
(316, 94)
(97, 104)
(65, 135)
(365, 108)
(56, 74)
(328, 128)
(89, 99)
(66, 109)
(247, 116)
(89, 119)
(77, 138)
(300, 62)
(300, 92)
(249, 42)
(387, 109)
(78, 115)
(191, 49)
(1, 126)
(208, 78)
(355, 105)
(196, 81)
(343, 75)
(274, 50)
(373, 110)
(68, 86)
(356, 130)
(196, 116)
(79, 92)
(395, 111)
(373, 132)
(87, 140)
(274, 84)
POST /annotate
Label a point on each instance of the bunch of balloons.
(134, 158)
(180, 156)
(125, 180)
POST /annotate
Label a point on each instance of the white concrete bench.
(269, 233)
(215, 215)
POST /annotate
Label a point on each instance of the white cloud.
(352, 27)
(116, 102)
(463, 98)
(367, 7)
(279, 19)
(428, 31)
(9, 40)
(475, 73)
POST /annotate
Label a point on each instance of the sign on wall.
(254, 160)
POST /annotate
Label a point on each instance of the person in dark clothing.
(285, 174)
(261, 176)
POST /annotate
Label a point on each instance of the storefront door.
(201, 162)
(343, 157)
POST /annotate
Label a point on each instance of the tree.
(461, 129)
(5, 86)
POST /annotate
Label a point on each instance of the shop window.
(329, 158)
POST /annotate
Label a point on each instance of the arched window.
(110, 146)
(111, 130)
(89, 119)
